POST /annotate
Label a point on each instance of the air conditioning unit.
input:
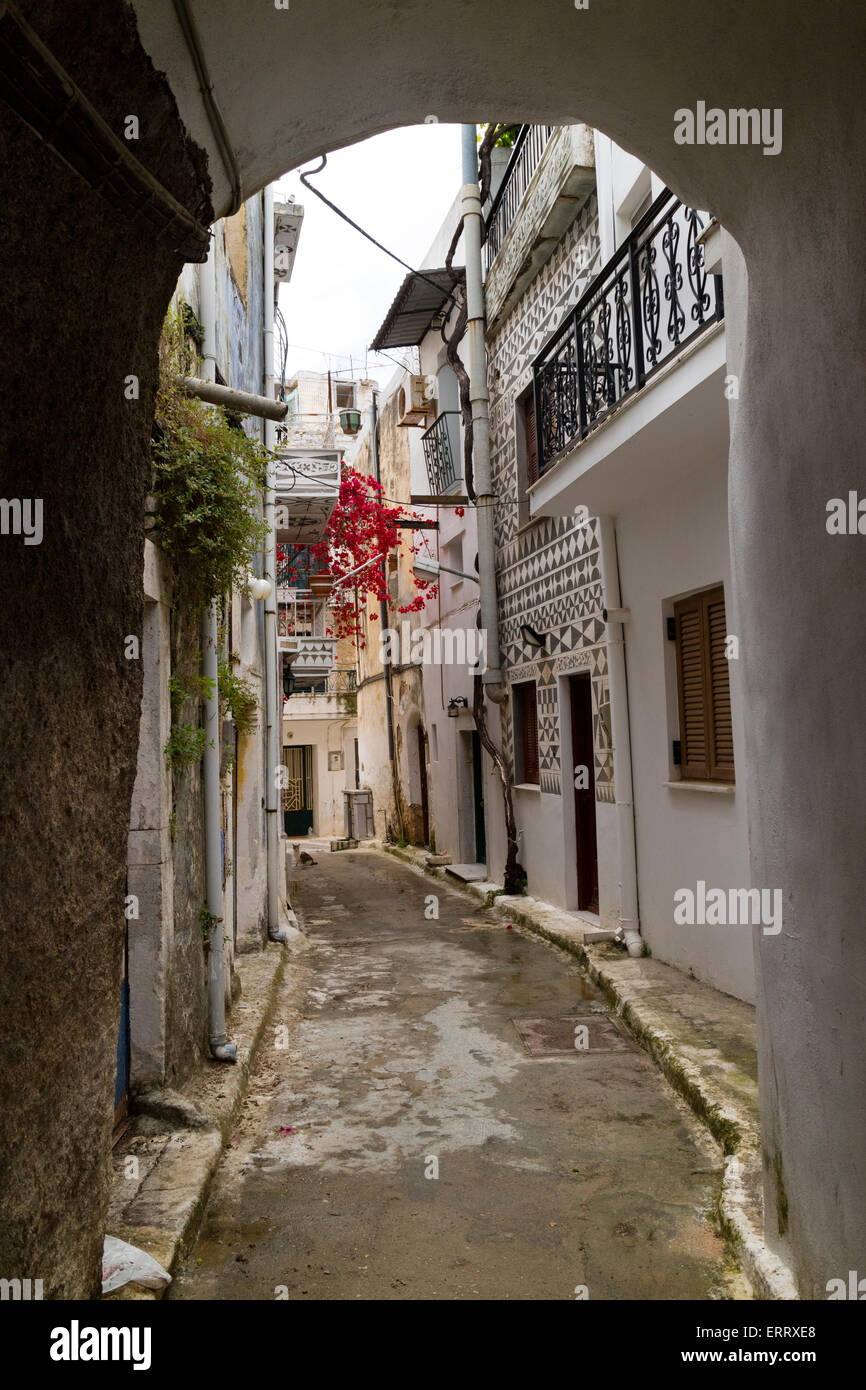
(416, 400)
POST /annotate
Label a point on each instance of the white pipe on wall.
(273, 696)
(220, 1047)
(620, 736)
(472, 235)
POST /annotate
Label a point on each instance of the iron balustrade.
(528, 148)
(651, 299)
(339, 682)
(439, 451)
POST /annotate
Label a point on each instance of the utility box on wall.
(358, 814)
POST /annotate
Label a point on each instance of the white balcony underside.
(656, 438)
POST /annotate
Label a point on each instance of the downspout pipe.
(221, 1049)
(492, 681)
(383, 624)
(273, 697)
(620, 735)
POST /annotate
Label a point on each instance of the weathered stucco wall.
(84, 296)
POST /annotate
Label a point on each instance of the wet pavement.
(422, 1126)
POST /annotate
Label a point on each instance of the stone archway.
(87, 286)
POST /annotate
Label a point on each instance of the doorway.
(478, 801)
(425, 794)
(298, 789)
(583, 777)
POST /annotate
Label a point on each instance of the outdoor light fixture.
(258, 588)
(535, 639)
(350, 421)
(455, 705)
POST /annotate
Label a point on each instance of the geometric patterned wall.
(547, 573)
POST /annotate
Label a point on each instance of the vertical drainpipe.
(472, 238)
(220, 1047)
(273, 697)
(383, 623)
(621, 738)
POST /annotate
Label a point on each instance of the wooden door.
(584, 792)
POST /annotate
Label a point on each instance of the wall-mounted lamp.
(533, 638)
(455, 705)
(258, 588)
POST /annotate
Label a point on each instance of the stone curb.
(164, 1215)
(732, 1126)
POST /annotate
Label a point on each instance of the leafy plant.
(207, 920)
(237, 697)
(208, 477)
(186, 742)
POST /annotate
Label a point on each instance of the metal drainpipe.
(620, 735)
(383, 621)
(273, 696)
(472, 239)
(220, 1047)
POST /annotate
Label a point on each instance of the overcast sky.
(399, 187)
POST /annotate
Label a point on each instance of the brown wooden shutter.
(703, 682)
(528, 716)
(721, 740)
(531, 440)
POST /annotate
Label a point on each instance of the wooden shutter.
(703, 682)
(531, 439)
(528, 718)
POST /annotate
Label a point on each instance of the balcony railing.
(342, 682)
(651, 299)
(440, 443)
(301, 616)
(525, 156)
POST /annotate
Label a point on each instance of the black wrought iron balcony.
(525, 156)
(441, 443)
(650, 300)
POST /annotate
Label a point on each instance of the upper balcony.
(549, 177)
(307, 483)
(441, 444)
(641, 336)
(302, 626)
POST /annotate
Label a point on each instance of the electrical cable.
(304, 177)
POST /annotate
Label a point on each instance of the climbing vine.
(208, 477)
(237, 697)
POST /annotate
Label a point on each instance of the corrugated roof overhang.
(417, 304)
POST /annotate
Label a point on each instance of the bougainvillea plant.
(361, 533)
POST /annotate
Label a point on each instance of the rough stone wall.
(70, 710)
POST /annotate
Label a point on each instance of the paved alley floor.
(401, 1141)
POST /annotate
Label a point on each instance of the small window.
(527, 452)
(525, 732)
(703, 688)
(345, 395)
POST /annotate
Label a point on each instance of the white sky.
(398, 187)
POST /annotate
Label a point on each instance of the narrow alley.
(399, 1140)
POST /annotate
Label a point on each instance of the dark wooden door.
(478, 801)
(422, 773)
(583, 777)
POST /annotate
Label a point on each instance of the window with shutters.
(527, 452)
(703, 687)
(525, 732)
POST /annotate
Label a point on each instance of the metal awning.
(417, 304)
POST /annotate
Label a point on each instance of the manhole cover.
(570, 1036)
